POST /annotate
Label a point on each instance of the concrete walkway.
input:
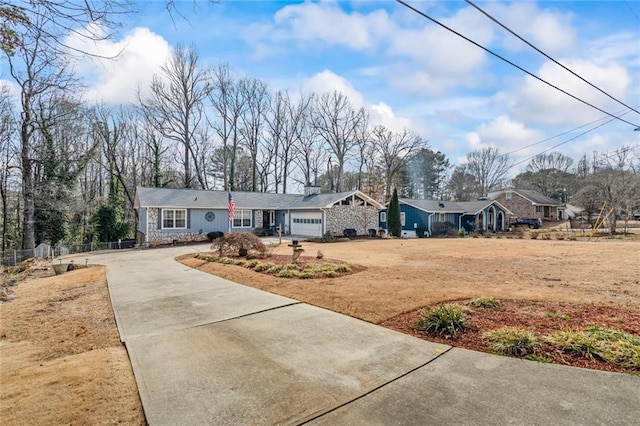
(206, 350)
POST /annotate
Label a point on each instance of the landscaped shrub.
(611, 345)
(394, 223)
(239, 243)
(445, 320)
(213, 235)
(441, 229)
(533, 235)
(288, 273)
(207, 258)
(274, 269)
(263, 266)
(251, 263)
(305, 275)
(420, 230)
(487, 302)
(327, 237)
(514, 341)
(343, 268)
(461, 233)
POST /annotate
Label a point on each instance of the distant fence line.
(44, 251)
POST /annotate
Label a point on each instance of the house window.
(383, 217)
(242, 219)
(174, 218)
(402, 218)
(442, 217)
(538, 209)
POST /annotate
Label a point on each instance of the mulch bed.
(543, 318)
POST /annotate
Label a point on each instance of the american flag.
(232, 207)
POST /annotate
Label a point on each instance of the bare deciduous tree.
(336, 122)
(255, 94)
(489, 168)
(394, 150)
(175, 107)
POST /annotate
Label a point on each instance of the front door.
(286, 223)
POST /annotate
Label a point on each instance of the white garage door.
(308, 224)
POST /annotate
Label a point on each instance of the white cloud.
(551, 31)
(536, 102)
(328, 81)
(318, 24)
(136, 58)
(380, 112)
(507, 135)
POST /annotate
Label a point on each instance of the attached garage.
(308, 224)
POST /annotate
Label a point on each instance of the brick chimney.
(311, 190)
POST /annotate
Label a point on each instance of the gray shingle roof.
(434, 205)
(533, 196)
(466, 207)
(198, 198)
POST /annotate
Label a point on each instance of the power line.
(547, 56)
(631, 9)
(511, 63)
(620, 113)
(563, 142)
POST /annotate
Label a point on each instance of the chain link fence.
(44, 251)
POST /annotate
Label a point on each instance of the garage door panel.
(306, 223)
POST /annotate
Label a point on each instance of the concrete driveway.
(205, 350)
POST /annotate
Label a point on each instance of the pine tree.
(393, 215)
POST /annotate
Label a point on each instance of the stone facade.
(158, 236)
(361, 218)
(521, 207)
(257, 219)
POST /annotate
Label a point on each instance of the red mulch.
(543, 318)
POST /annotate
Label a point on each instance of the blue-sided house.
(166, 215)
(435, 217)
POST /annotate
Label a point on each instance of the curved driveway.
(205, 350)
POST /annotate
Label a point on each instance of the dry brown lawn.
(404, 275)
(61, 361)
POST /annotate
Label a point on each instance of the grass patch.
(487, 302)
(445, 320)
(512, 341)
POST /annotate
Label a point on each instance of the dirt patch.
(62, 360)
(542, 318)
(403, 276)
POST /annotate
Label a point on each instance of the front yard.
(402, 277)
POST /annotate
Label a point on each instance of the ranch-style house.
(430, 215)
(166, 215)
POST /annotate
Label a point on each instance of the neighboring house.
(483, 215)
(167, 214)
(527, 203)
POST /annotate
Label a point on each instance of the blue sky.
(407, 71)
